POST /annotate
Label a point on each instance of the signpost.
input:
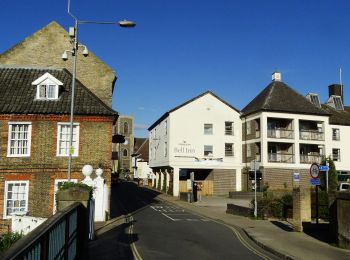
(325, 168)
(254, 165)
(315, 173)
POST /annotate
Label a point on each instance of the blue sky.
(182, 48)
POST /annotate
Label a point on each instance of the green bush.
(9, 239)
(270, 206)
(68, 185)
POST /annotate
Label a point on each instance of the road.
(155, 229)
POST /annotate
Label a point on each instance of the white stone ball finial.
(87, 170)
(99, 172)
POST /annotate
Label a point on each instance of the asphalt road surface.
(159, 230)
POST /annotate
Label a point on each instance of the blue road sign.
(323, 168)
(315, 182)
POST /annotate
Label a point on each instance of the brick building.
(34, 137)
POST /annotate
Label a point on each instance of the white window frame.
(47, 91)
(76, 149)
(339, 155)
(335, 134)
(232, 150)
(232, 128)
(56, 189)
(5, 216)
(212, 129)
(29, 139)
(212, 150)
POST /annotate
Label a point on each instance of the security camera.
(64, 56)
(85, 52)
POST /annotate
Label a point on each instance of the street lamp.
(73, 33)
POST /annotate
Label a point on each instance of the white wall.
(343, 144)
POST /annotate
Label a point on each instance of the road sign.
(296, 176)
(323, 168)
(254, 165)
(314, 171)
(315, 181)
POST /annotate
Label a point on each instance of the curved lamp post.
(73, 33)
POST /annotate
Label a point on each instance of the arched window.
(125, 152)
(126, 127)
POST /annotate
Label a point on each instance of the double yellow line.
(129, 219)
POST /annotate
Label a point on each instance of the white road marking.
(170, 217)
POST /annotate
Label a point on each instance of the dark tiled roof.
(17, 94)
(141, 148)
(165, 115)
(279, 97)
(338, 117)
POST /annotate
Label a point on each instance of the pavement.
(275, 236)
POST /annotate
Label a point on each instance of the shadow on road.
(127, 197)
(113, 244)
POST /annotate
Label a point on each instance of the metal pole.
(327, 178)
(75, 56)
(316, 204)
(255, 186)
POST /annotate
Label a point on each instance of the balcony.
(313, 135)
(281, 157)
(280, 133)
(309, 159)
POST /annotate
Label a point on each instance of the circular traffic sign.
(314, 171)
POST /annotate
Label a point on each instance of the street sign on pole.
(323, 168)
(315, 182)
(314, 171)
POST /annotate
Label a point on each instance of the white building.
(140, 160)
(287, 132)
(203, 136)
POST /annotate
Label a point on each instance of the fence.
(63, 236)
(206, 189)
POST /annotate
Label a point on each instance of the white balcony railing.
(281, 157)
(280, 133)
(310, 158)
(311, 135)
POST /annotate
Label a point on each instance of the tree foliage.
(332, 175)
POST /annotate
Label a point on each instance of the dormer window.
(47, 87)
(335, 102)
(314, 99)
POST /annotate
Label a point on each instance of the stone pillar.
(167, 179)
(67, 197)
(176, 182)
(301, 208)
(99, 196)
(161, 180)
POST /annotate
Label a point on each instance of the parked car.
(344, 186)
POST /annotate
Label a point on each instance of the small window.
(338, 103)
(63, 140)
(336, 155)
(19, 139)
(228, 128)
(208, 129)
(165, 127)
(335, 134)
(249, 130)
(229, 149)
(16, 198)
(314, 99)
(208, 150)
(126, 128)
(249, 150)
(165, 149)
(125, 152)
(47, 92)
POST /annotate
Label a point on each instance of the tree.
(332, 175)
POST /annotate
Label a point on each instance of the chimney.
(276, 76)
(337, 90)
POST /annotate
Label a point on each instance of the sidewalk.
(277, 238)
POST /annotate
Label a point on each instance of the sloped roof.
(165, 115)
(338, 117)
(279, 97)
(17, 94)
(141, 148)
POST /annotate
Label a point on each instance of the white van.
(344, 186)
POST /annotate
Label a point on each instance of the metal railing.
(311, 135)
(281, 157)
(62, 236)
(310, 159)
(280, 133)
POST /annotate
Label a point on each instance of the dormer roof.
(17, 94)
(47, 78)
